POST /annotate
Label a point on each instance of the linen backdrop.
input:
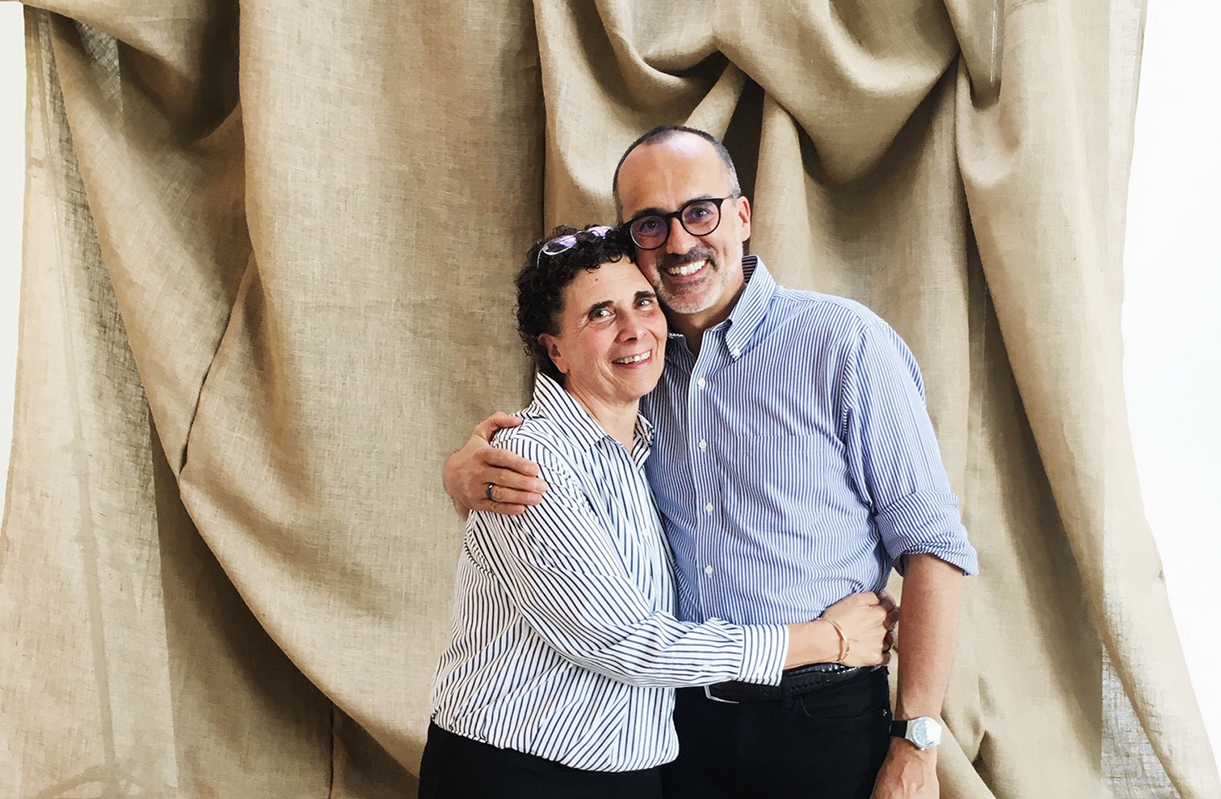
(267, 288)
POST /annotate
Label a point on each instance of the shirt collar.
(553, 402)
(751, 306)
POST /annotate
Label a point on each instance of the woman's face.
(612, 336)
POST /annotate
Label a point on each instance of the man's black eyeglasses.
(699, 217)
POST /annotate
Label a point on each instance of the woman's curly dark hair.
(541, 282)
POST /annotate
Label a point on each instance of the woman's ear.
(551, 345)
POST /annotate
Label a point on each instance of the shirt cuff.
(764, 647)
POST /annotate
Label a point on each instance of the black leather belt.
(794, 682)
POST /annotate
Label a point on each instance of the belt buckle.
(708, 693)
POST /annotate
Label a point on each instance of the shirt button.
(708, 570)
(736, 352)
(703, 445)
(701, 382)
(708, 508)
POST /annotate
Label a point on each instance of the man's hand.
(907, 773)
(515, 481)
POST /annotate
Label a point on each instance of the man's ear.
(742, 208)
(551, 346)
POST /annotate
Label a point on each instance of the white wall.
(1172, 330)
(1170, 315)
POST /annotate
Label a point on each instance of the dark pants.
(455, 767)
(828, 744)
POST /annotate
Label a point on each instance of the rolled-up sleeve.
(893, 453)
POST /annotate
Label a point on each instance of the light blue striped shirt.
(565, 644)
(795, 461)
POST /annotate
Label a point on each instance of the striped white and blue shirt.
(795, 461)
(565, 642)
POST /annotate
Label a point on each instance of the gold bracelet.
(843, 640)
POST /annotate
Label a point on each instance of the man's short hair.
(662, 133)
(541, 282)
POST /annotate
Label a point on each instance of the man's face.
(697, 277)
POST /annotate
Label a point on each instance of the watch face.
(924, 732)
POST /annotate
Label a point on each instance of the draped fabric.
(267, 289)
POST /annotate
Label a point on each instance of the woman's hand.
(866, 622)
(514, 481)
(858, 630)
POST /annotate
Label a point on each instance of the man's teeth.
(682, 270)
(644, 356)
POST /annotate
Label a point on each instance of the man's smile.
(684, 270)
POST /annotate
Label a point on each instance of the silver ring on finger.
(487, 491)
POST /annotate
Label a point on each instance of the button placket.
(701, 485)
(711, 356)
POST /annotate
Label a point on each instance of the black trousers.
(456, 767)
(828, 744)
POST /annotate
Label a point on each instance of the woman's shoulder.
(543, 440)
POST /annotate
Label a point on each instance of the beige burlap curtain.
(267, 288)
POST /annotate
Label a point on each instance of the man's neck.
(693, 325)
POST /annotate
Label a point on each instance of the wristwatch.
(922, 731)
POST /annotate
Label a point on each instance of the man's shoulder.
(825, 313)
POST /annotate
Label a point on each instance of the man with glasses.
(794, 463)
